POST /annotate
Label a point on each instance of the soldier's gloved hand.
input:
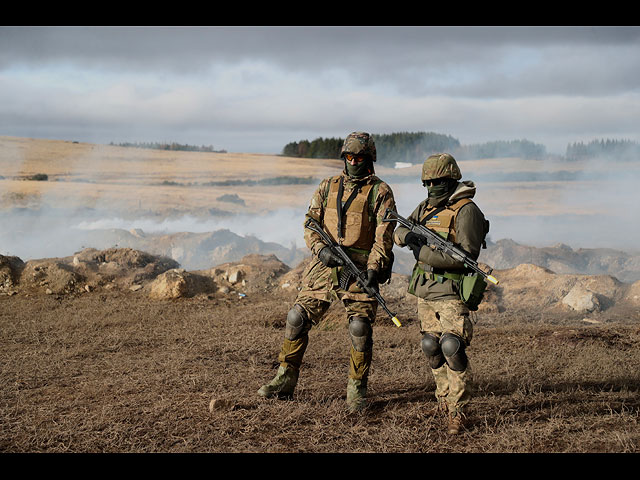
(372, 281)
(329, 259)
(415, 243)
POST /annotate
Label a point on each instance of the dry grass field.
(135, 180)
(117, 372)
(113, 370)
(132, 180)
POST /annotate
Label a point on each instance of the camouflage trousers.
(319, 290)
(437, 317)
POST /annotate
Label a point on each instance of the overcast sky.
(255, 89)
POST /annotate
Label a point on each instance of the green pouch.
(417, 277)
(472, 289)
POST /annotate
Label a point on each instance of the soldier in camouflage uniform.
(444, 318)
(355, 223)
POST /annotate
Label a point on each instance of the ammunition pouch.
(472, 289)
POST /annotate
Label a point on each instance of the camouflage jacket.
(380, 251)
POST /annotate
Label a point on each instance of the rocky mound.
(252, 275)
(525, 288)
(84, 271)
(126, 268)
(533, 288)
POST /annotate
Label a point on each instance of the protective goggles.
(350, 157)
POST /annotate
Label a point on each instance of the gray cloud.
(257, 88)
(448, 60)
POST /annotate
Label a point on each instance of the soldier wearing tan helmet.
(444, 318)
(350, 207)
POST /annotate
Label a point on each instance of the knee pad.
(297, 321)
(453, 349)
(431, 348)
(361, 332)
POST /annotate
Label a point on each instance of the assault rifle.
(352, 269)
(439, 243)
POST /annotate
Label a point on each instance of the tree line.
(390, 148)
(169, 146)
(620, 149)
(414, 147)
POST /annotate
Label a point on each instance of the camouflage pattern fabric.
(437, 317)
(379, 256)
(317, 295)
(440, 165)
(320, 287)
(359, 143)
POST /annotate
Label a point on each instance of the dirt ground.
(117, 371)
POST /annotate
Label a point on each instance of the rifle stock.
(439, 243)
(361, 277)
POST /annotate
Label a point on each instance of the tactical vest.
(358, 225)
(443, 221)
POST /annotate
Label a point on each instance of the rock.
(178, 283)
(236, 275)
(220, 404)
(581, 299)
(169, 285)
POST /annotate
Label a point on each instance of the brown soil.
(114, 370)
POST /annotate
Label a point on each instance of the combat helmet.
(359, 143)
(440, 165)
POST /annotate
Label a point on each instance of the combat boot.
(356, 395)
(282, 385)
(457, 422)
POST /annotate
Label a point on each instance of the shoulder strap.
(460, 203)
(343, 207)
(326, 191)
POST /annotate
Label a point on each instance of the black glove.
(372, 281)
(415, 243)
(413, 239)
(329, 259)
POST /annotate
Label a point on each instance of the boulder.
(178, 283)
(582, 299)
